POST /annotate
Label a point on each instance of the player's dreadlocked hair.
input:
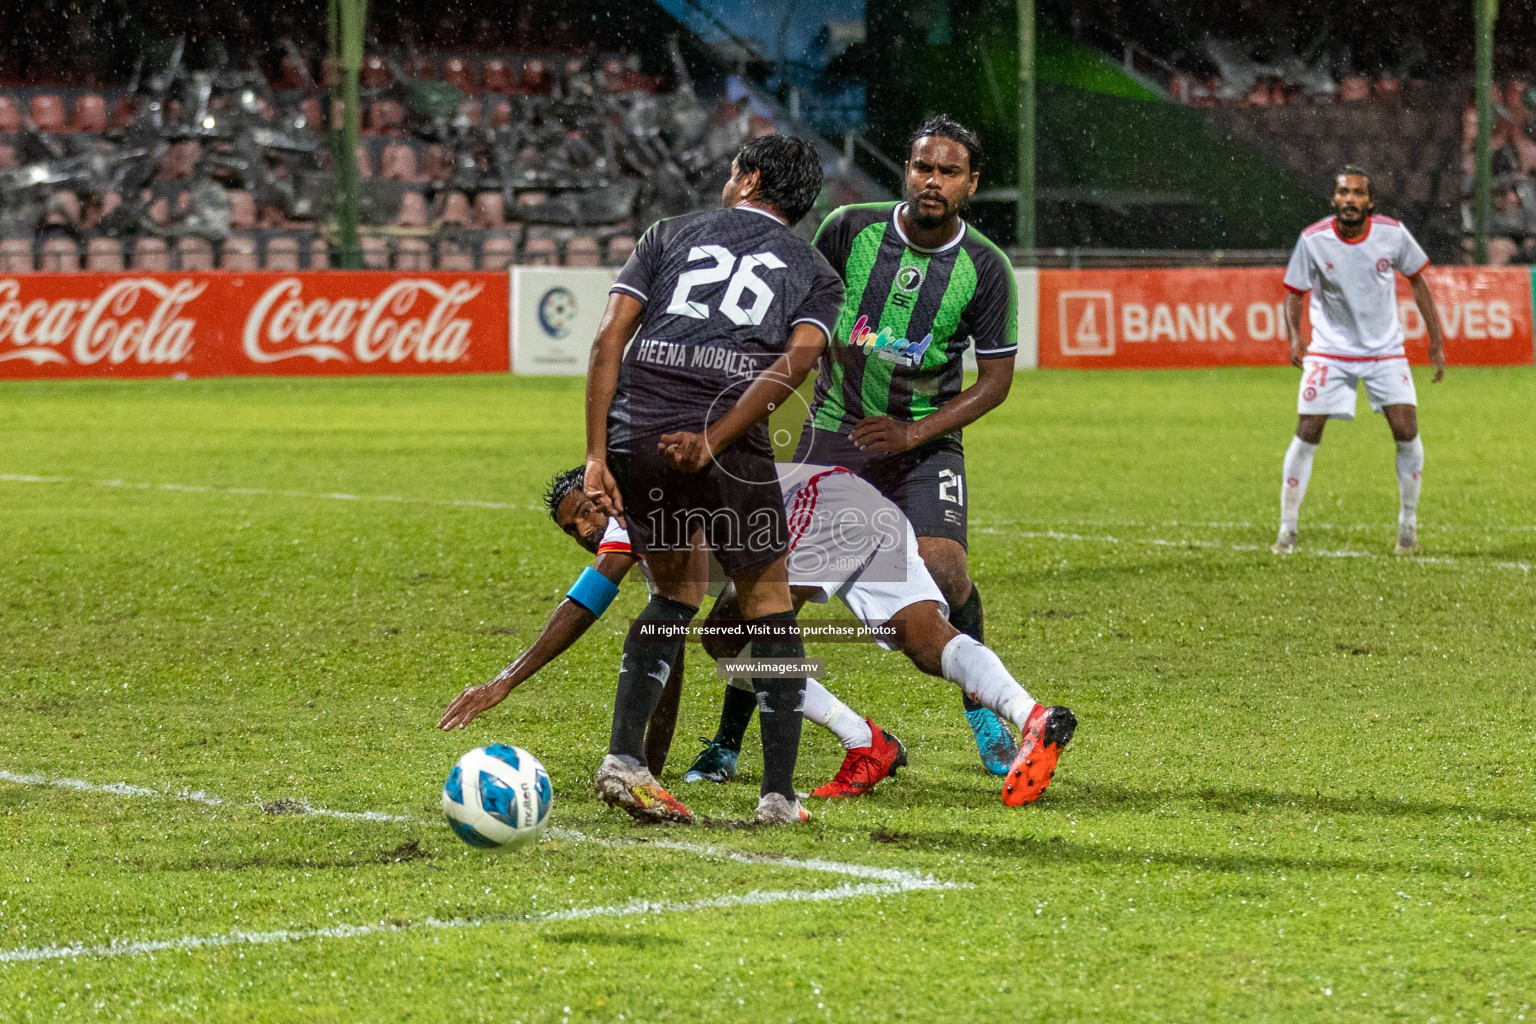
(560, 485)
(790, 173)
(945, 127)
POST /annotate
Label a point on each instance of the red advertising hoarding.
(219, 324)
(1236, 317)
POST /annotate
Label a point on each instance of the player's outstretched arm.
(1425, 300)
(691, 452)
(567, 625)
(994, 379)
(620, 319)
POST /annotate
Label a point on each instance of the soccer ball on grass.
(497, 797)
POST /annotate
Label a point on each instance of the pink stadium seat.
(497, 253)
(398, 163)
(149, 253)
(104, 254)
(123, 112)
(314, 115)
(242, 208)
(364, 161)
(194, 254)
(454, 255)
(436, 164)
(498, 77)
(239, 253)
(422, 67)
(501, 113)
(374, 73)
(455, 208)
(59, 254)
(1354, 88)
(490, 210)
(385, 116)
(582, 251)
(64, 207)
(457, 72)
(413, 211)
(413, 254)
(470, 111)
(179, 159)
(619, 248)
(526, 201)
(10, 117)
(320, 254)
(282, 253)
(47, 112)
(90, 113)
(15, 256)
(535, 79)
(8, 157)
(375, 252)
(540, 251)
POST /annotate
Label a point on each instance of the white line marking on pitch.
(634, 908)
(1316, 552)
(21, 478)
(890, 875)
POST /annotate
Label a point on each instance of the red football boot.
(865, 766)
(1046, 732)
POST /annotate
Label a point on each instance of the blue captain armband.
(593, 591)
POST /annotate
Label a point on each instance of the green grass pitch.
(1301, 788)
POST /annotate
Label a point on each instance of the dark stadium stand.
(468, 160)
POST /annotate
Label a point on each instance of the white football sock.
(832, 714)
(1410, 472)
(1293, 484)
(983, 677)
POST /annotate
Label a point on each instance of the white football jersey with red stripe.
(1354, 286)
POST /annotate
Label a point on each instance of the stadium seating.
(457, 223)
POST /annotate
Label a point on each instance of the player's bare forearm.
(1425, 300)
(691, 452)
(1294, 303)
(994, 379)
(620, 318)
(568, 624)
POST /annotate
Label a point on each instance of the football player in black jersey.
(716, 318)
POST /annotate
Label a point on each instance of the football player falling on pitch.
(1349, 263)
(922, 287)
(846, 540)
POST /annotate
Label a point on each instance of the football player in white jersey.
(846, 540)
(1349, 264)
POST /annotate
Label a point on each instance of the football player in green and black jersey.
(890, 401)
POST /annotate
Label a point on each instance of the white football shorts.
(865, 553)
(1328, 385)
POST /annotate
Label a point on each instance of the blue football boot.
(717, 763)
(993, 741)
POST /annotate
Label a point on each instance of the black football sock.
(643, 672)
(735, 716)
(967, 618)
(781, 701)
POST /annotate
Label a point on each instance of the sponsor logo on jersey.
(884, 345)
(909, 279)
(1383, 265)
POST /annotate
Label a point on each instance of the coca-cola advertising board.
(1214, 317)
(218, 324)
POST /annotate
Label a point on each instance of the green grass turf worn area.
(1300, 790)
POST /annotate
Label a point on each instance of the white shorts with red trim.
(849, 540)
(1328, 384)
